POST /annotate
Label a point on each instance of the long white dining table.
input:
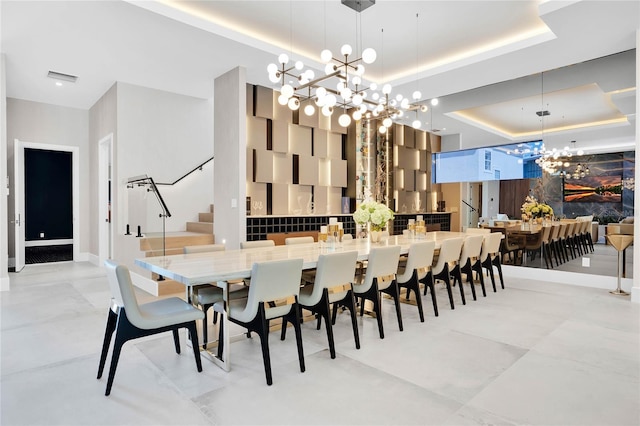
(222, 266)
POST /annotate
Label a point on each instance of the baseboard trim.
(571, 278)
(82, 257)
(93, 259)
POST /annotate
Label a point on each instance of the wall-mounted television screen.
(593, 189)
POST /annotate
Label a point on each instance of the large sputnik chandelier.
(302, 89)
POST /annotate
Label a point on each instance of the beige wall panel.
(335, 145)
(321, 143)
(256, 132)
(339, 173)
(282, 168)
(280, 136)
(306, 120)
(281, 112)
(324, 123)
(335, 126)
(264, 166)
(249, 100)
(409, 181)
(421, 180)
(264, 102)
(399, 180)
(299, 199)
(424, 157)
(421, 140)
(334, 205)
(409, 136)
(324, 172)
(398, 134)
(299, 139)
(280, 199)
(258, 193)
(321, 199)
(308, 170)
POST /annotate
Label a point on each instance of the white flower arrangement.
(373, 212)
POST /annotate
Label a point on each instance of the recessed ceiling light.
(58, 83)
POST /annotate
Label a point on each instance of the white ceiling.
(481, 58)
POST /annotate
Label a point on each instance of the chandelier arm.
(313, 83)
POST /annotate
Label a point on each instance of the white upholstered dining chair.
(131, 321)
(418, 270)
(273, 293)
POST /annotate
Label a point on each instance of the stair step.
(167, 252)
(203, 227)
(175, 240)
(205, 217)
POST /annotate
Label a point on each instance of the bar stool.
(619, 242)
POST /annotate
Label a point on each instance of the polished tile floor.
(534, 353)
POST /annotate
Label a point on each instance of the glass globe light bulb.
(382, 129)
(360, 70)
(310, 74)
(282, 100)
(287, 90)
(272, 68)
(357, 99)
(399, 97)
(417, 95)
(375, 113)
(309, 110)
(344, 120)
(373, 86)
(405, 103)
(416, 124)
(356, 80)
(299, 65)
(331, 100)
(329, 69)
(424, 108)
(327, 110)
(294, 104)
(375, 96)
(326, 56)
(346, 93)
(346, 49)
(283, 58)
(386, 89)
(368, 55)
(434, 101)
(321, 92)
(357, 115)
(362, 108)
(273, 77)
(387, 122)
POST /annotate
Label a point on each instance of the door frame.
(19, 236)
(105, 174)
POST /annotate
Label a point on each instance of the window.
(487, 160)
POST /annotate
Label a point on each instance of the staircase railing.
(198, 167)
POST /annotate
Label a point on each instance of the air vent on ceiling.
(543, 113)
(61, 76)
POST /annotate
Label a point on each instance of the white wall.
(163, 135)
(102, 122)
(490, 198)
(4, 248)
(55, 125)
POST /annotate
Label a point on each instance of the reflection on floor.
(534, 353)
(603, 261)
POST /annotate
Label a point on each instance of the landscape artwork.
(593, 189)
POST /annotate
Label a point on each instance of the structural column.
(230, 157)
(635, 291)
(4, 192)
